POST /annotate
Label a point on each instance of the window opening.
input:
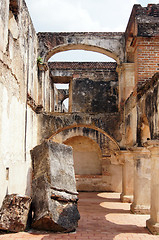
(61, 97)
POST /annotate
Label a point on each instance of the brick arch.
(107, 144)
(110, 44)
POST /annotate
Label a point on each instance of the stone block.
(56, 162)
(54, 188)
(14, 213)
(54, 210)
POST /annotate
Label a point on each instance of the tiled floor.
(103, 216)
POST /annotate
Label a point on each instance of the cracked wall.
(18, 77)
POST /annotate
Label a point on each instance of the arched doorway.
(87, 155)
(87, 162)
(95, 157)
(108, 44)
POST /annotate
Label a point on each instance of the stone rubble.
(14, 213)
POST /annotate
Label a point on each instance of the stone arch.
(96, 134)
(110, 44)
(108, 175)
(85, 47)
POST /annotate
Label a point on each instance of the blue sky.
(81, 16)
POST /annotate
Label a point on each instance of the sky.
(81, 16)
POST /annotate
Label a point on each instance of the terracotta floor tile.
(103, 217)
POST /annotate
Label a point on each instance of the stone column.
(153, 223)
(142, 176)
(42, 68)
(126, 80)
(127, 161)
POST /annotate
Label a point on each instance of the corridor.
(103, 217)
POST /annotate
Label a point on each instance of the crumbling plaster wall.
(18, 79)
(148, 107)
(141, 114)
(93, 86)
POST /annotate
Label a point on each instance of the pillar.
(153, 223)
(127, 161)
(142, 176)
(126, 80)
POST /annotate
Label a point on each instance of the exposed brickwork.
(83, 65)
(142, 41)
(94, 70)
(147, 53)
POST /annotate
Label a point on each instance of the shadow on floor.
(105, 217)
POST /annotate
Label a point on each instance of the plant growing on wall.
(40, 60)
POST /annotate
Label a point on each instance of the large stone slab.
(14, 213)
(54, 198)
(54, 210)
(56, 162)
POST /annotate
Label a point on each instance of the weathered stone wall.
(142, 41)
(108, 43)
(18, 79)
(93, 85)
(95, 162)
(141, 114)
(148, 100)
(96, 92)
(51, 123)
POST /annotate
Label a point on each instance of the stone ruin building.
(112, 121)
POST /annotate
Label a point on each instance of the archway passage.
(95, 157)
(87, 155)
(87, 162)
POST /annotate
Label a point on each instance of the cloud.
(81, 15)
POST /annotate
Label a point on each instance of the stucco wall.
(18, 75)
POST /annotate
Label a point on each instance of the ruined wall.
(93, 102)
(142, 41)
(51, 123)
(95, 157)
(95, 92)
(146, 55)
(141, 114)
(108, 43)
(148, 105)
(18, 81)
(93, 86)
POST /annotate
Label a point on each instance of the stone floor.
(103, 216)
